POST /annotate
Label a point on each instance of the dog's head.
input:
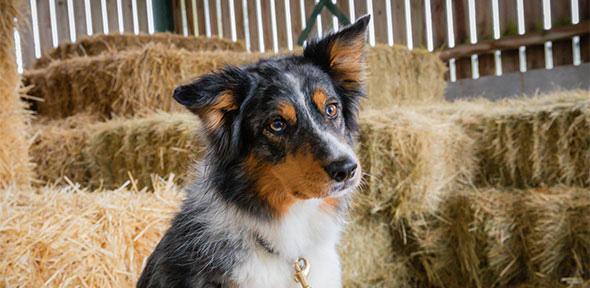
(282, 130)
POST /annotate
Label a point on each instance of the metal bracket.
(314, 15)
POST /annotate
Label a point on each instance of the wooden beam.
(513, 42)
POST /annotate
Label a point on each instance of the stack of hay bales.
(67, 237)
(425, 216)
(137, 81)
(15, 167)
(100, 44)
(523, 218)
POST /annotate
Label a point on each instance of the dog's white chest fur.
(310, 230)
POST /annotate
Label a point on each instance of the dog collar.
(265, 245)
(301, 265)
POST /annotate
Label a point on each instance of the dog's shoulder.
(195, 251)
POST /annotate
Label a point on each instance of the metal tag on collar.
(301, 271)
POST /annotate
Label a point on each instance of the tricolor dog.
(272, 193)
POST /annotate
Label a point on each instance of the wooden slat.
(266, 24)
(113, 17)
(61, 11)
(513, 42)
(508, 28)
(439, 24)
(399, 22)
(296, 20)
(44, 26)
(585, 48)
(533, 17)
(201, 12)
(142, 16)
(419, 24)
(128, 16)
(584, 7)
(485, 31)
(26, 34)
(80, 18)
(253, 26)
(189, 17)
(225, 19)
(461, 22)
(484, 21)
(96, 17)
(380, 20)
(176, 15)
(239, 20)
(281, 29)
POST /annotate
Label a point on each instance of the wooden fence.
(498, 26)
(47, 23)
(476, 37)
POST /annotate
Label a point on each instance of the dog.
(274, 188)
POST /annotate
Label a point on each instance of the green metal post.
(163, 17)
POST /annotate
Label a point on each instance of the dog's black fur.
(237, 105)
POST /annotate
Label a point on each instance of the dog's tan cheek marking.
(213, 115)
(319, 98)
(269, 187)
(288, 112)
(299, 176)
(303, 175)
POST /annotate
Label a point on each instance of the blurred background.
(475, 39)
(474, 135)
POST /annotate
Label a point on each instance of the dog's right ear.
(215, 97)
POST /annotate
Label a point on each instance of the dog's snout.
(341, 170)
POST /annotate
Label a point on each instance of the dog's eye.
(277, 125)
(332, 110)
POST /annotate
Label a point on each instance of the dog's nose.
(341, 170)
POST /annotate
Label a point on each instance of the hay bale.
(58, 149)
(68, 237)
(98, 44)
(413, 157)
(64, 237)
(448, 244)
(535, 143)
(108, 154)
(410, 160)
(134, 82)
(397, 76)
(559, 240)
(122, 84)
(406, 156)
(139, 148)
(526, 142)
(15, 167)
(507, 237)
(368, 258)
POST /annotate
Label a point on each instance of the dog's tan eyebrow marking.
(287, 111)
(319, 98)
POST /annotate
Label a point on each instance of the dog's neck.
(307, 223)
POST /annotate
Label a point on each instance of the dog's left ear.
(341, 56)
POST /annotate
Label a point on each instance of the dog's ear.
(341, 53)
(216, 98)
(341, 56)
